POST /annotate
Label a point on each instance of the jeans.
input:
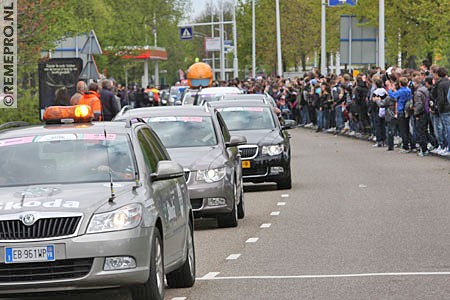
(439, 131)
(304, 116)
(380, 129)
(403, 123)
(339, 118)
(320, 118)
(391, 127)
(446, 121)
(421, 131)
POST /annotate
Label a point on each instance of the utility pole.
(235, 58)
(279, 59)
(323, 53)
(381, 36)
(212, 35)
(155, 35)
(253, 40)
(222, 46)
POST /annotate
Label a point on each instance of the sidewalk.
(366, 138)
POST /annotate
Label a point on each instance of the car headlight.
(126, 217)
(272, 150)
(210, 175)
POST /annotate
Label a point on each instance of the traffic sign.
(341, 2)
(186, 33)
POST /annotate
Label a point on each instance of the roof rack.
(133, 120)
(13, 124)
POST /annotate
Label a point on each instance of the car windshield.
(189, 98)
(176, 132)
(65, 158)
(247, 118)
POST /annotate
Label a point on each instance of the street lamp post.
(235, 58)
(279, 59)
(253, 40)
(381, 50)
(323, 53)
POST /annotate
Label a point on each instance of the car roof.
(166, 111)
(243, 103)
(244, 97)
(94, 127)
(220, 90)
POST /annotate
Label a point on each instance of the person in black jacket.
(443, 105)
(110, 106)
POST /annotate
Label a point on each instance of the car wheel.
(154, 287)
(241, 205)
(184, 277)
(230, 219)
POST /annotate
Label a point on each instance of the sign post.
(186, 33)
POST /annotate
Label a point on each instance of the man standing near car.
(108, 99)
(443, 105)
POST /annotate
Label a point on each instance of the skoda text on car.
(267, 155)
(197, 138)
(92, 206)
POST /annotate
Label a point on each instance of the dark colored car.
(92, 206)
(197, 138)
(267, 155)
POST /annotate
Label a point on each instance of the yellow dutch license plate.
(246, 164)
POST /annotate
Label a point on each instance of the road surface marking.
(284, 195)
(252, 240)
(210, 275)
(281, 203)
(275, 213)
(179, 298)
(331, 276)
(362, 186)
(233, 257)
(265, 225)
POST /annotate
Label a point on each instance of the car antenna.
(111, 183)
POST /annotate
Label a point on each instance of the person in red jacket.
(92, 98)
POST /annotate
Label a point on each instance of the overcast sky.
(198, 6)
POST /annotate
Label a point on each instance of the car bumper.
(203, 194)
(93, 247)
(267, 168)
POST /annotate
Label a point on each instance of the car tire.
(230, 219)
(241, 205)
(184, 277)
(285, 183)
(154, 287)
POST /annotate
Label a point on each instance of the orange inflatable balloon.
(199, 75)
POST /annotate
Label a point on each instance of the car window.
(150, 160)
(176, 132)
(65, 158)
(247, 118)
(160, 152)
(223, 128)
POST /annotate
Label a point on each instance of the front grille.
(257, 171)
(248, 152)
(38, 271)
(197, 203)
(42, 228)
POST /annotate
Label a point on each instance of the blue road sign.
(341, 2)
(186, 33)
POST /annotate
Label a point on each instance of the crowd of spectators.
(397, 107)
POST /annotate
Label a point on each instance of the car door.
(173, 203)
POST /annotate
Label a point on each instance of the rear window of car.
(247, 118)
(65, 158)
(177, 132)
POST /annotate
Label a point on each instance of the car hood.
(195, 158)
(80, 197)
(260, 137)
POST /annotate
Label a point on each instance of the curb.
(366, 139)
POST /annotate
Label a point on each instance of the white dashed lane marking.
(210, 275)
(265, 225)
(233, 257)
(179, 298)
(281, 203)
(252, 240)
(275, 213)
(284, 195)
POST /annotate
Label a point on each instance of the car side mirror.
(236, 140)
(289, 124)
(167, 169)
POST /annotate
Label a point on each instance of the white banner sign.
(212, 44)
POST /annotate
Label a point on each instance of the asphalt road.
(359, 223)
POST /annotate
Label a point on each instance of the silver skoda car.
(92, 206)
(197, 138)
